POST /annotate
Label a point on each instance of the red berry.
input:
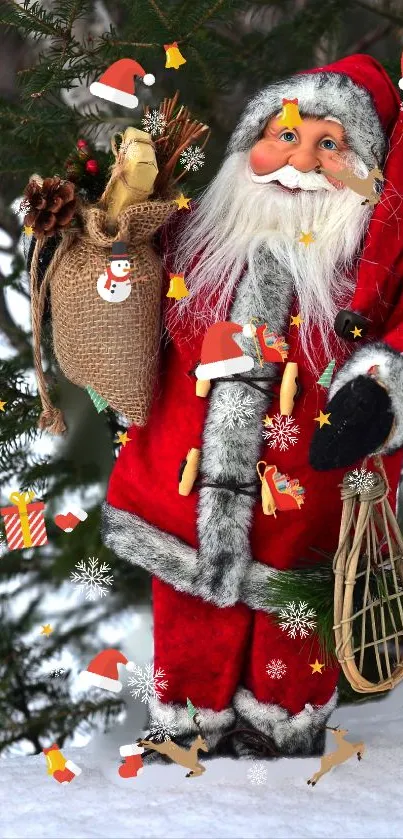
(92, 167)
(82, 144)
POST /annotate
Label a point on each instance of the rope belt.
(231, 486)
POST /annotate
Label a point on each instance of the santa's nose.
(305, 160)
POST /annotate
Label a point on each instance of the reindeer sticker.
(343, 752)
(184, 757)
(370, 187)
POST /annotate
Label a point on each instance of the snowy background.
(356, 800)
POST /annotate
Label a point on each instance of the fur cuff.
(134, 539)
(175, 717)
(390, 374)
(174, 562)
(301, 734)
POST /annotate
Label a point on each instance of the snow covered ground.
(355, 800)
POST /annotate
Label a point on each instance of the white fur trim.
(400, 84)
(112, 94)
(172, 560)
(78, 512)
(224, 368)
(148, 79)
(73, 767)
(291, 734)
(390, 365)
(212, 723)
(319, 94)
(95, 680)
(130, 750)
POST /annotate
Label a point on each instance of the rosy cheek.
(263, 159)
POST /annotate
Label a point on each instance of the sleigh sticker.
(279, 492)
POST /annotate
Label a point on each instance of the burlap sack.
(113, 347)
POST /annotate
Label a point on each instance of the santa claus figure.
(114, 285)
(279, 242)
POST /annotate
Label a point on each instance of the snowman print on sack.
(114, 284)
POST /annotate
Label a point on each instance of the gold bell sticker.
(177, 287)
(174, 57)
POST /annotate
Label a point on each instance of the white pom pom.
(401, 84)
(148, 79)
(130, 666)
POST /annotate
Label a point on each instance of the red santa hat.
(220, 355)
(117, 84)
(102, 671)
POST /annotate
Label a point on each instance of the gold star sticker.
(316, 668)
(123, 438)
(2, 404)
(323, 419)
(296, 320)
(47, 629)
(182, 202)
(268, 421)
(28, 230)
(306, 238)
(356, 333)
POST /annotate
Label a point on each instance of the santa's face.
(120, 267)
(314, 143)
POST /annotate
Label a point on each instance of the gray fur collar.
(224, 518)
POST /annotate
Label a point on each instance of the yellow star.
(28, 230)
(47, 629)
(306, 238)
(123, 438)
(356, 333)
(182, 202)
(296, 320)
(323, 419)
(316, 668)
(2, 404)
(268, 421)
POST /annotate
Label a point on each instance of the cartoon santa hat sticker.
(102, 671)
(117, 84)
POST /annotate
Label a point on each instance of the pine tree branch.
(370, 38)
(164, 20)
(218, 4)
(382, 12)
(13, 333)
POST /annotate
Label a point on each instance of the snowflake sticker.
(296, 619)
(257, 774)
(146, 684)
(281, 433)
(92, 578)
(192, 158)
(234, 408)
(361, 480)
(276, 668)
(154, 123)
(163, 729)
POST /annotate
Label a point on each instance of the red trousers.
(208, 652)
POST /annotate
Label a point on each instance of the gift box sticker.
(24, 523)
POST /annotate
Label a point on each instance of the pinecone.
(50, 203)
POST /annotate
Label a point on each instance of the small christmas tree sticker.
(327, 374)
(99, 402)
(193, 713)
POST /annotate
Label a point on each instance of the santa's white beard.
(238, 221)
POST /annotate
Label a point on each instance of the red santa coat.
(208, 652)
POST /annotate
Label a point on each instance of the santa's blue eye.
(328, 144)
(288, 136)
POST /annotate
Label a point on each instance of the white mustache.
(293, 179)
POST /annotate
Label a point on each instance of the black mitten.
(361, 418)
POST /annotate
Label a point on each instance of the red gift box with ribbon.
(24, 523)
